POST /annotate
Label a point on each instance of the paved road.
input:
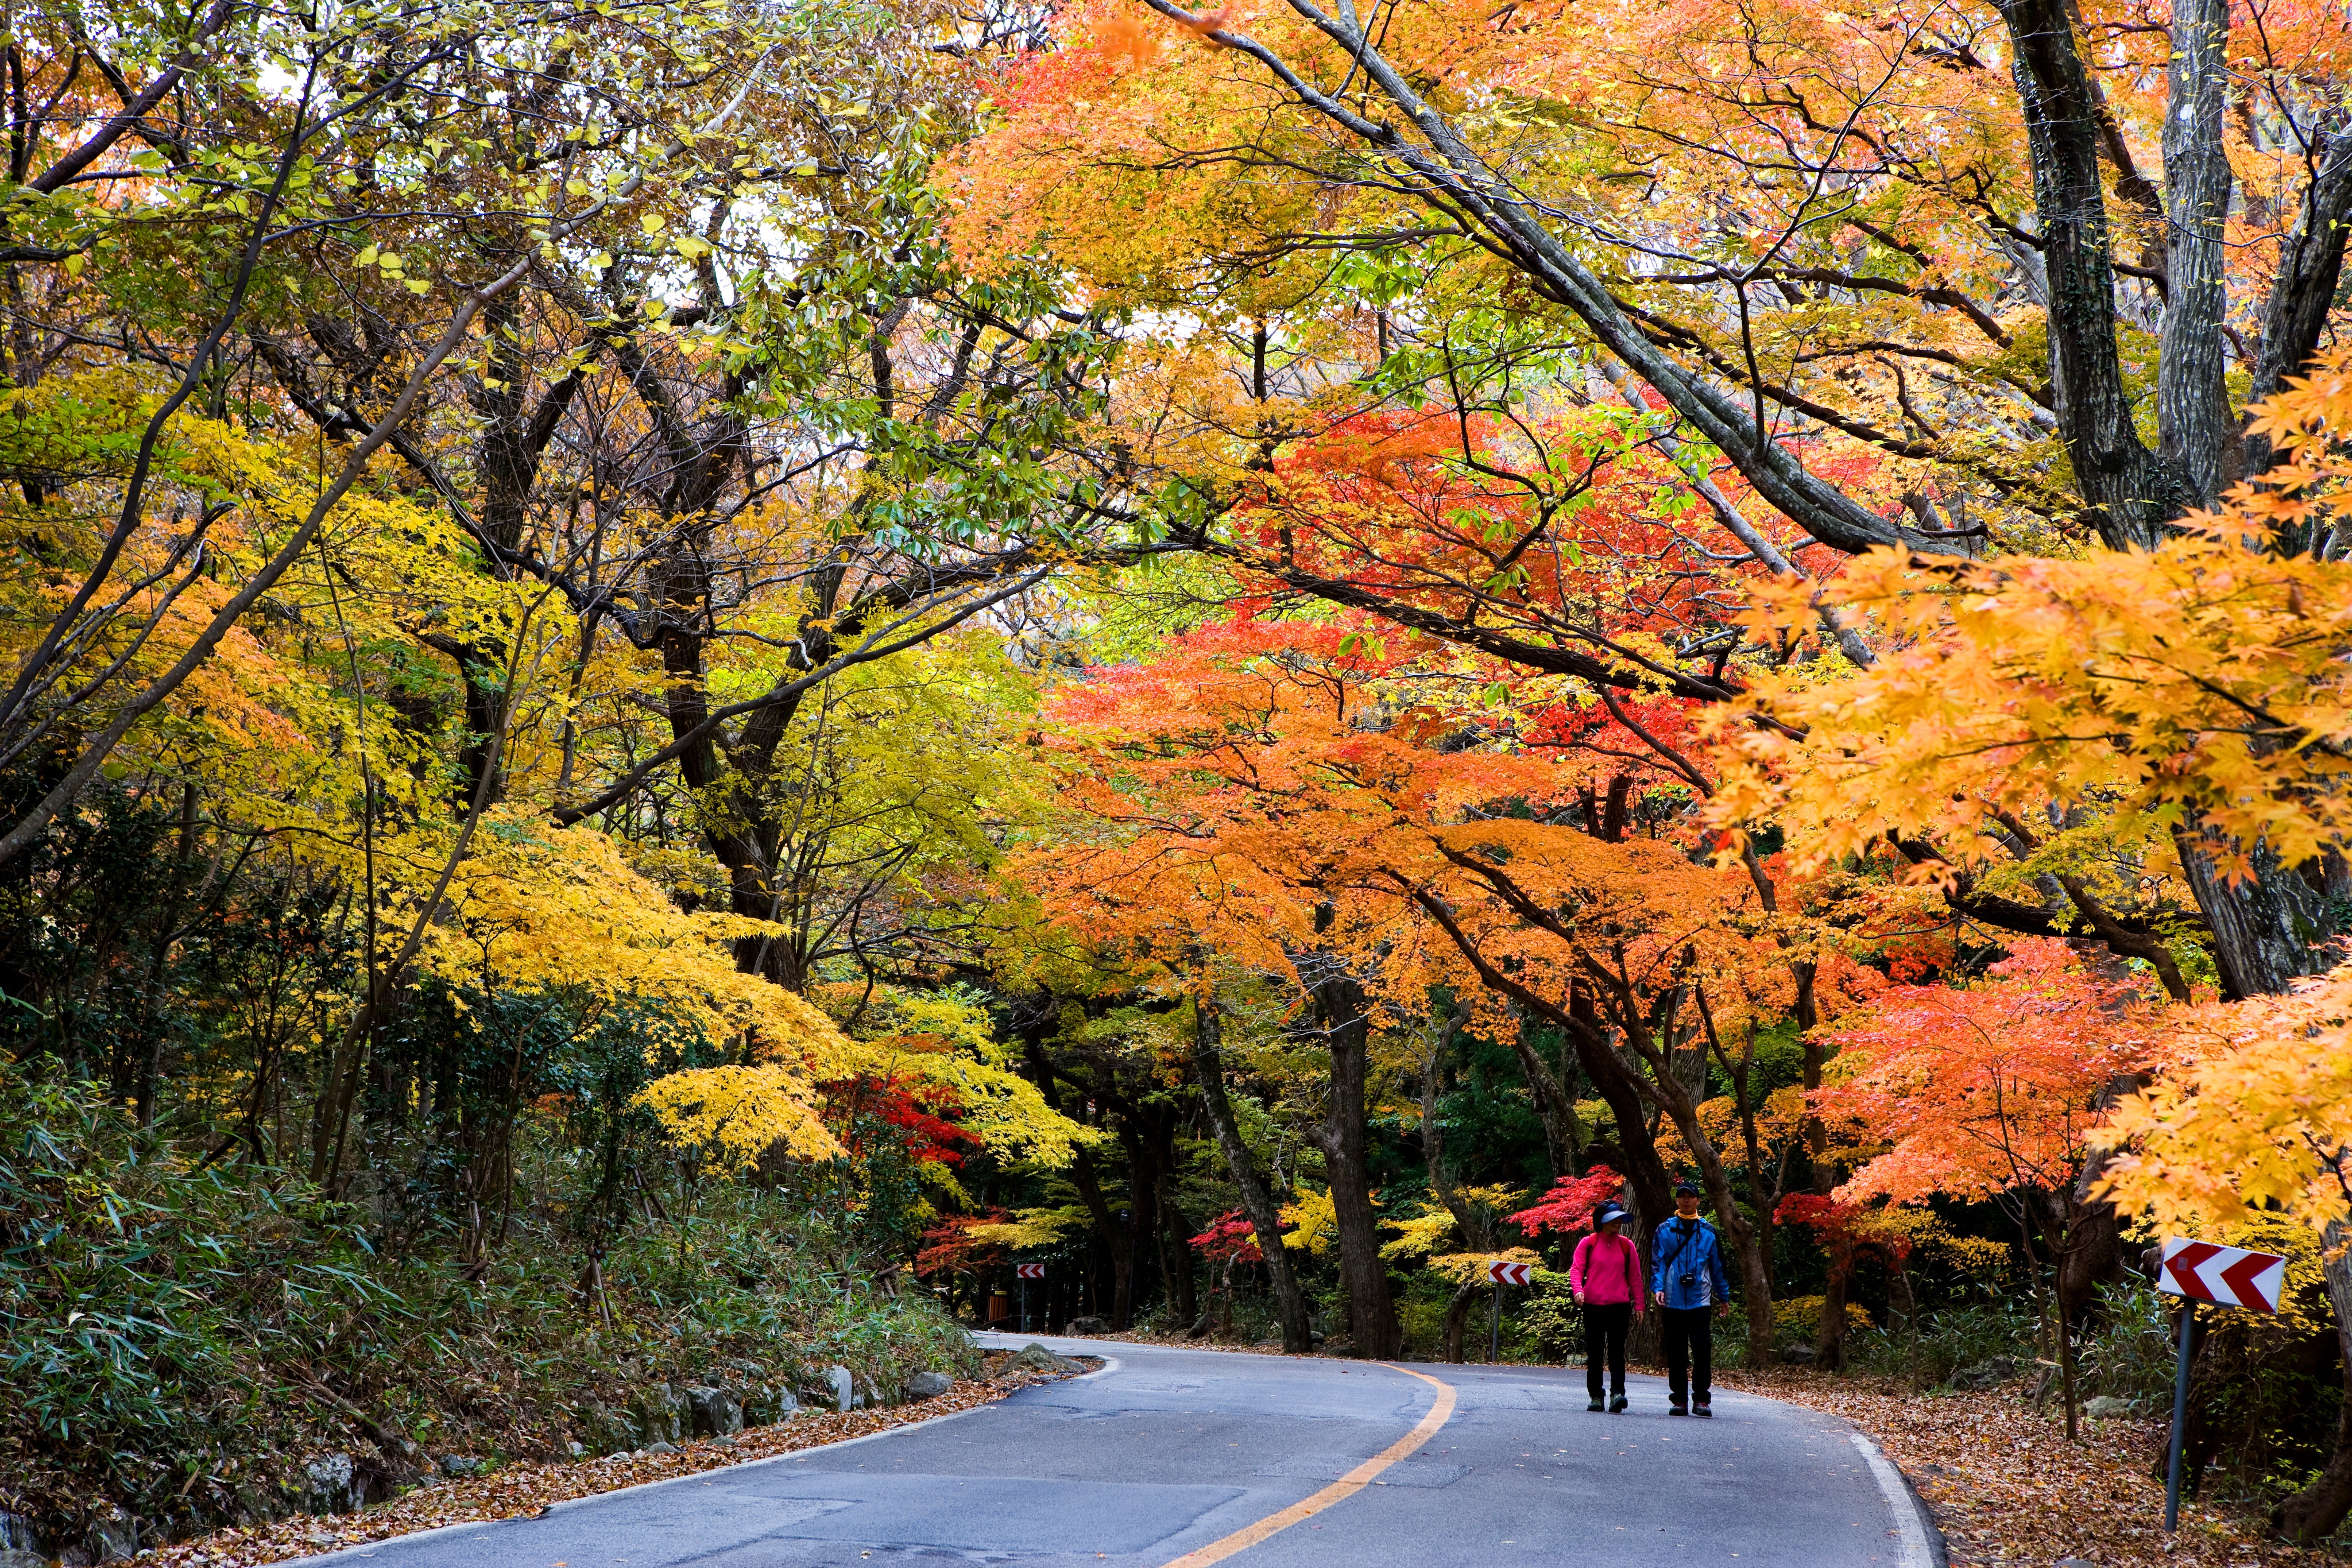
(1171, 1452)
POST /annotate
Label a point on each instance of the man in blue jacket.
(1687, 1282)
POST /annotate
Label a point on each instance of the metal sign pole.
(1494, 1328)
(2179, 1418)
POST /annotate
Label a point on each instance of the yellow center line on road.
(1345, 1487)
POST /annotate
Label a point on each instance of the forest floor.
(2007, 1488)
(523, 1490)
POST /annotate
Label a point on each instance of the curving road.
(1180, 1458)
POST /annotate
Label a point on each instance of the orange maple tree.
(1270, 793)
(1992, 1090)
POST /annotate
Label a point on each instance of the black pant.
(1604, 1340)
(1689, 1340)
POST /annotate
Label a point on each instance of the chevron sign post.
(2225, 1275)
(1503, 1274)
(2205, 1271)
(1024, 1273)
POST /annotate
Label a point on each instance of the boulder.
(256, 1504)
(1035, 1358)
(658, 1448)
(460, 1465)
(1088, 1325)
(661, 1414)
(606, 1430)
(113, 1536)
(928, 1385)
(21, 1545)
(331, 1484)
(845, 1389)
(2107, 1407)
(717, 1413)
(1985, 1374)
(1797, 1354)
(766, 1405)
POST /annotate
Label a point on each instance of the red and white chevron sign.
(1509, 1273)
(2226, 1276)
(1029, 1271)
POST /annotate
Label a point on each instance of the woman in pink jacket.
(1605, 1279)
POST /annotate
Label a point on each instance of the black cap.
(1684, 1189)
(1610, 1213)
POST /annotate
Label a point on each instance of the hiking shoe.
(1617, 1406)
(1594, 1405)
(1702, 1408)
(1676, 1409)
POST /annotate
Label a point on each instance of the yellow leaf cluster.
(1031, 1227)
(2255, 1123)
(1315, 1222)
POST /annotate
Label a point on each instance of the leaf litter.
(2007, 1490)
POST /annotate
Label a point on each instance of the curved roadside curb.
(1922, 1540)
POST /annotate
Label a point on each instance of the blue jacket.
(1688, 1247)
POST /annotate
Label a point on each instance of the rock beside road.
(331, 1484)
(661, 1414)
(717, 1413)
(1985, 1374)
(928, 1385)
(1035, 1358)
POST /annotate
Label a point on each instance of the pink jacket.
(1607, 1271)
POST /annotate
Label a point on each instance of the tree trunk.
(1176, 1256)
(1114, 1238)
(1143, 1229)
(2267, 930)
(1829, 1345)
(1257, 1203)
(1363, 1272)
(1457, 1315)
(2066, 1386)
(2313, 1515)
(1902, 1307)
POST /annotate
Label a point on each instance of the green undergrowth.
(179, 1337)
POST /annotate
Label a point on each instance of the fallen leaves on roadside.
(2006, 1486)
(526, 1490)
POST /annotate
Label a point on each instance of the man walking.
(1687, 1282)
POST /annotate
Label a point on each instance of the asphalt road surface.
(1186, 1457)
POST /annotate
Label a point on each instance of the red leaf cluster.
(1568, 1207)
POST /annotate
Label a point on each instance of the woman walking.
(1605, 1279)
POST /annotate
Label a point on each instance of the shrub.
(176, 1335)
(1799, 1321)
